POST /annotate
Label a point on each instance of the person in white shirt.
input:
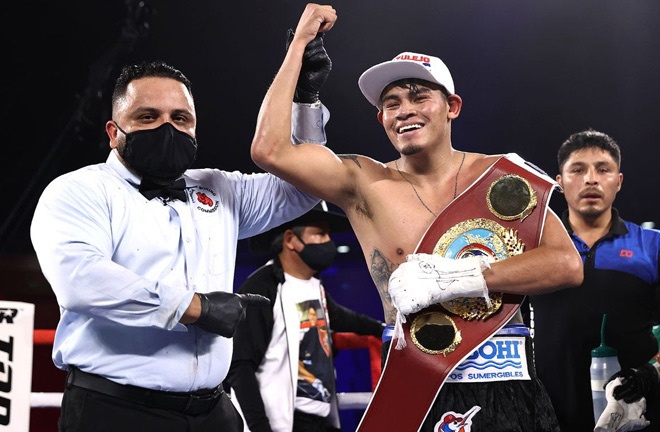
(140, 252)
(282, 370)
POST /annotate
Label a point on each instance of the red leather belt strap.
(411, 378)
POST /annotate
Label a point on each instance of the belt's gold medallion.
(435, 332)
(511, 197)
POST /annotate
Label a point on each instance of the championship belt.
(500, 215)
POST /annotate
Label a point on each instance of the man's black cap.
(337, 222)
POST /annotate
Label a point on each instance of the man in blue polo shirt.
(620, 280)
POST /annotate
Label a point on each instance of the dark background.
(530, 73)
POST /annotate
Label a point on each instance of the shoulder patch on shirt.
(204, 199)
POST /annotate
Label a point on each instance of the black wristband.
(205, 308)
(303, 96)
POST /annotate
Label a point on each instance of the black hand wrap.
(636, 383)
(315, 69)
(222, 312)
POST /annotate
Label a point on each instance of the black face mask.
(163, 153)
(318, 256)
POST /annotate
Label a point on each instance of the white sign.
(16, 344)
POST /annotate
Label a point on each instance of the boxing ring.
(18, 339)
(44, 399)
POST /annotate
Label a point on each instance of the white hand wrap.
(619, 416)
(426, 279)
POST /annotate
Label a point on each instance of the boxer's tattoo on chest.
(381, 269)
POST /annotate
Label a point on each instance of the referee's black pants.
(85, 410)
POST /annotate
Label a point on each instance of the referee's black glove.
(316, 66)
(222, 312)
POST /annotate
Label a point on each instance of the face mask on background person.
(162, 153)
(318, 256)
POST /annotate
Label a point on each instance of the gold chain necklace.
(396, 164)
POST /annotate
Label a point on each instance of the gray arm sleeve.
(308, 123)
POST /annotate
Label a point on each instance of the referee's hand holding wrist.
(221, 312)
